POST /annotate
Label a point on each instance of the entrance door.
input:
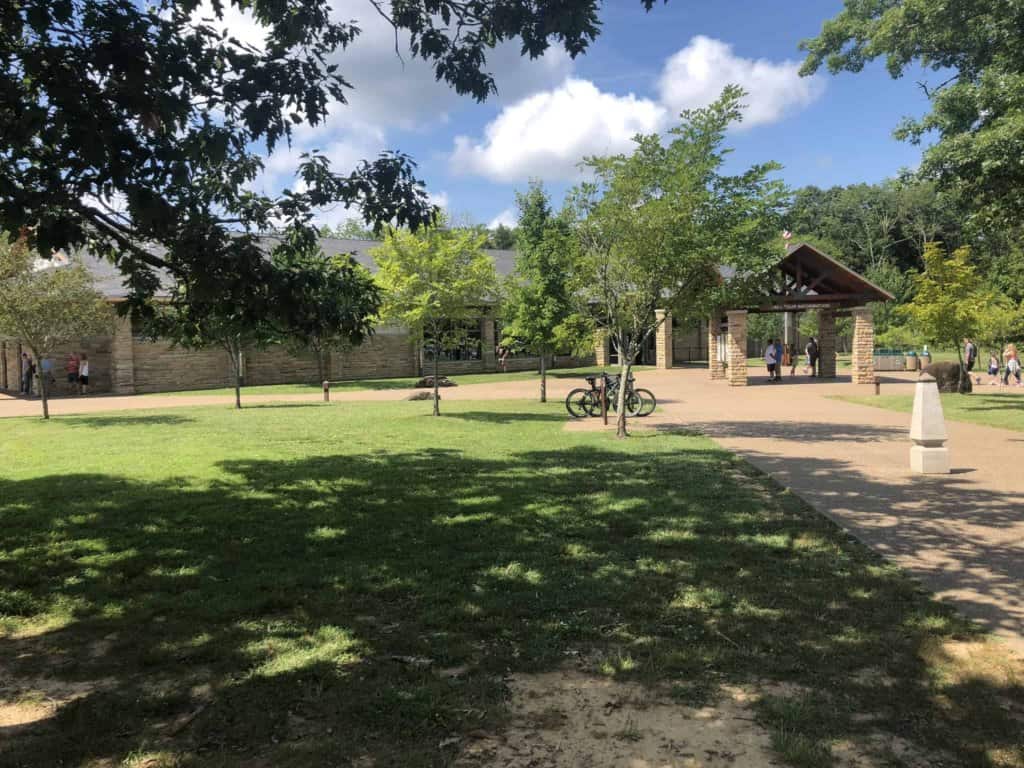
(647, 355)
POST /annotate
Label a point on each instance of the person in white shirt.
(83, 375)
(771, 359)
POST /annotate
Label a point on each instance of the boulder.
(423, 396)
(947, 377)
(427, 382)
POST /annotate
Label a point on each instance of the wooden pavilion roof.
(811, 279)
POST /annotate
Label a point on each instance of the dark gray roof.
(110, 281)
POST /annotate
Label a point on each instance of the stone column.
(827, 343)
(3, 365)
(736, 351)
(122, 358)
(716, 367)
(601, 348)
(863, 347)
(487, 343)
(663, 339)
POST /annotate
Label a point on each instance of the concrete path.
(961, 534)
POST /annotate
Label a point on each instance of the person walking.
(771, 359)
(993, 369)
(24, 379)
(46, 370)
(1011, 359)
(779, 357)
(970, 354)
(83, 375)
(793, 357)
(30, 375)
(71, 369)
(812, 357)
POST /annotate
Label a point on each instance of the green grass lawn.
(291, 585)
(402, 383)
(989, 409)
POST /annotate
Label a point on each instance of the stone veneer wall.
(664, 344)
(827, 343)
(736, 373)
(863, 347)
(159, 367)
(277, 365)
(389, 353)
(716, 367)
(11, 365)
(602, 350)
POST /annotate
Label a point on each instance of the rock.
(427, 382)
(947, 377)
(422, 396)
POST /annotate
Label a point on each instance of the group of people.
(1009, 365)
(76, 368)
(778, 355)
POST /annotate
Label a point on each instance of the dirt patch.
(569, 719)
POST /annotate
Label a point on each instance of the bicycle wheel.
(647, 402)
(578, 403)
(633, 404)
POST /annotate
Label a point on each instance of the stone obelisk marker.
(929, 454)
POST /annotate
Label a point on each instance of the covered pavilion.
(808, 280)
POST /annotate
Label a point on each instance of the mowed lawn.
(1005, 409)
(320, 585)
(359, 385)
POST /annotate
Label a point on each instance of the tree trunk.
(234, 353)
(43, 394)
(437, 409)
(963, 369)
(625, 364)
(543, 378)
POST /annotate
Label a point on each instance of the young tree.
(538, 311)
(434, 281)
(232, 314)
(951, 302)
(325, 304)
(656, 226)
(130, 124)
(47, 307)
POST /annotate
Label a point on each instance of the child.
(993, 369)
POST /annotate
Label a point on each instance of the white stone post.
(929, 454)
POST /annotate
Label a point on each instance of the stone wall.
(736, 372)
(277, 365)
(863, 347)
(602, 350)
(716, 366)
(11, 366)
(389, 353)
(664, 346)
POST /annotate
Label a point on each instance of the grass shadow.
(288, 611)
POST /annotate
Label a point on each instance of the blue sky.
(825, 130)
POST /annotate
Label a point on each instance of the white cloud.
(546, 135)
(696, 75)
(507, 217)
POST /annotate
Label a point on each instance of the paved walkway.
(961, 534)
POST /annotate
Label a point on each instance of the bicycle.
(581, 403)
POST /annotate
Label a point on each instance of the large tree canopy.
(978, 103)
(128, 124)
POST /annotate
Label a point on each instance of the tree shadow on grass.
(301, 610)
(505, 417)
(125, 420)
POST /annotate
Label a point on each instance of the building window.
(459, 341)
